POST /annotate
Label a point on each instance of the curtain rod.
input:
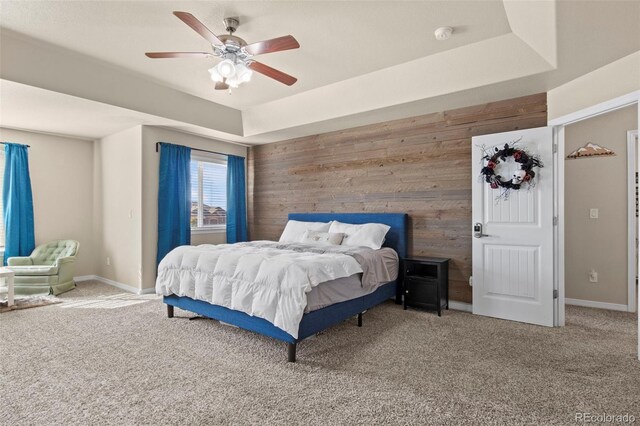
(198, 149)
(4, 143)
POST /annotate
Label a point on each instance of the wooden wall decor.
(419, 165)
(590, 150)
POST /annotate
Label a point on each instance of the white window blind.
(208, 193)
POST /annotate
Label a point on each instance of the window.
(208, 193)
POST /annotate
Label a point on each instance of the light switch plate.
(593, 213)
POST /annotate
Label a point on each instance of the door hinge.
(555, 148)
(555, 221)
(555, 294)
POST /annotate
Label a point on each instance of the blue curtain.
(174, 198)
(236, 200)
(17, 203)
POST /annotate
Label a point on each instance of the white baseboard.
(113, 283)
(460, 306)
(598, 305)
(85, 278)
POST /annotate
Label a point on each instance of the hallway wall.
(597, 182)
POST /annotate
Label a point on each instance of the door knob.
(477, 230)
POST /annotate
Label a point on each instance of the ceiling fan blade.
(221, 86)
(273, 45)
(272, 72)
(157, 55)
(199, 27)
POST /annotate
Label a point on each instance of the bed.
(320, 319)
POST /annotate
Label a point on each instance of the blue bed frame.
(315, 321)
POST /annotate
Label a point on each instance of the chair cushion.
(47, 254)
(36, 270)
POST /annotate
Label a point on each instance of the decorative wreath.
(525, 174)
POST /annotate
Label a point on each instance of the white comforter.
(257, 278)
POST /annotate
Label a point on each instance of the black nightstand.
(426, 283)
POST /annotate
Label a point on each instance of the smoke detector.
(443, 33)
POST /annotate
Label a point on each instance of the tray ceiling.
(355, 56)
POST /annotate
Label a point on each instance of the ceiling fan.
(237, 63)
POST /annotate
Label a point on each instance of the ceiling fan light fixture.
(233, 82)
(227, 68)
(215, 75)
(243, 73)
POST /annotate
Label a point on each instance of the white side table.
(7, 286)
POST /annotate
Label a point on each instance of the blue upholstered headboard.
(396, 238)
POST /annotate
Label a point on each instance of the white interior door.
(513, 266)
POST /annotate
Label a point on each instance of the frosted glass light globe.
(227, 68)
(215, 75)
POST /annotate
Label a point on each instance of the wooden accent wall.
(420, 166)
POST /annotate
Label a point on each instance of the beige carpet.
(132, 365)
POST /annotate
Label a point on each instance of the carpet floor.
(130, 364)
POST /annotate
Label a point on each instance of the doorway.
(559, 125)
(596, 200)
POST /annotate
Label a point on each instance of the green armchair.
(49, 269)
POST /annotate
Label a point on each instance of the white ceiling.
(31, 108)
(359, 62)
(339, 40)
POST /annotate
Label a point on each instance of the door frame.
(632, 246)
(559, 125)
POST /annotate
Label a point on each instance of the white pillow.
(295, 229)
(318, 237)
(367, 235)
